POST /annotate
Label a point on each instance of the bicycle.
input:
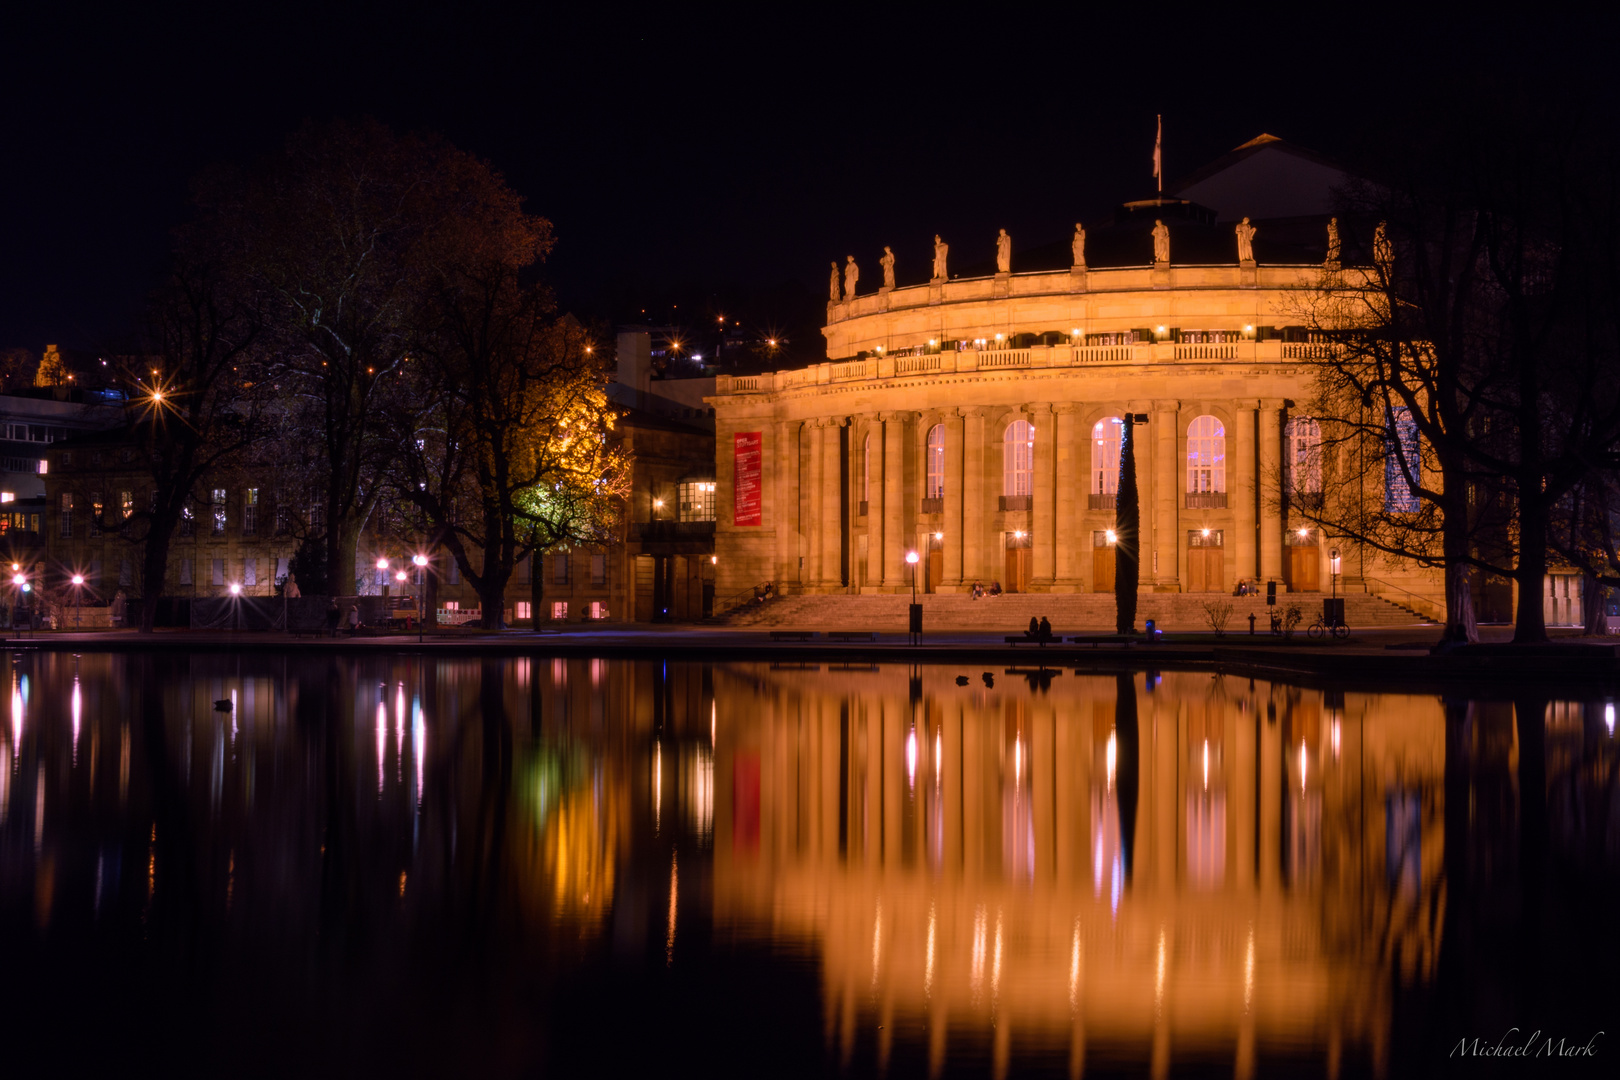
(1321, 626)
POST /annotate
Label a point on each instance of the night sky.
(717, 161)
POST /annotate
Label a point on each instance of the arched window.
(1206, 456)
(696, 500)
(1402, 463)
(1105, 444)
(1304, 456)
(1018, 459)
(866, 469)
(934, 488)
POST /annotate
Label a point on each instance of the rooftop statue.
(1003, 253)
(887, 262)
(1079, 244)
(852, 274)
(941, 249)
(1383, 252)
(1161, 242)
(1245, 239)
(833, 285)
(1333, 241)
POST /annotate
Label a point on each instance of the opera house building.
(975, 419)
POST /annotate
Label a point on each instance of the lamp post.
(912, 559)
(78, 600)
(421, 598)
(19, 586)
(236, 606)
(382, 564)
(399, 579)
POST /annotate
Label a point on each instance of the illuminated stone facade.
(974, 420)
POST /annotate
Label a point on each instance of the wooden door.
(644, 589)
(1305, 568)
(936, 570)
(1017, 579)
(1102, 569)
(1206, 569)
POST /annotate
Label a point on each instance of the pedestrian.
(120, 607)
(291, 590)
(354, 619)
(333, 614)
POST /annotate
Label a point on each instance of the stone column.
(953, 500)
(1270, 505)
(1068, 473)
(1240, 478)
(1167, 494)
(817, 481)
(975, 561)
(877, 504)
(1043, 496)
(785, 499)
(831, 504)
(893, 555)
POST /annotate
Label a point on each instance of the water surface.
(222, 865)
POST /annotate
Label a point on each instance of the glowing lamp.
(18, 579)
(399, 575)
(1110, 535)
(236, 589)
(939, 536)
(911, 557)
(1205, 532)
(1303, 533)
(78, 579)
(714, 560)
(382, 564)
(419, 560)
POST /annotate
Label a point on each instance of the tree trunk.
(1461, 625)
(342, 545)
(154, 571)
(1594, 605)
(1127, 536)
(537, 586)
(1530, 621)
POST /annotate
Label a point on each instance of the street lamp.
(78, 600)
(19, 583)
(912, 558)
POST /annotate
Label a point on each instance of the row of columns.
(817, 479)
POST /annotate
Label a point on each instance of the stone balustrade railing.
(1038, 357)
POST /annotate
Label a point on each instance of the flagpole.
(1158, 158)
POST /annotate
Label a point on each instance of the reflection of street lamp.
(78, 600)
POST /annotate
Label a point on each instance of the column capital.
(966, 411)
(1162, 405)
(899, 416)
(1039, 408)
(1243, 405)
(1067, 408)
(1273, 403)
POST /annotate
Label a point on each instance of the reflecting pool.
(220, 865)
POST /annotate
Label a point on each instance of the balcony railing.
(864, 507)
(1102, 502)
(933, 506)
(1206, 500)
(1015, 502)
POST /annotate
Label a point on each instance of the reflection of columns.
(831, 508)
(894, 492)
(785, 502)
(1270, 464)
(1240, 472)
(1166, 534)
(1067, 474)
(1043, 496)
(975, 563)
(953, 500)
(1269, 780)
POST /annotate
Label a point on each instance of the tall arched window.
(1206, 456)
(934, 488)
(1018, 459)
(1304, 456)
(1105, 444)
(866, 468)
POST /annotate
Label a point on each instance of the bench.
(1095, 640)
(852, 635)
(792, 635)
(1025, 639)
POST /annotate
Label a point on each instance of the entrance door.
(936, 568)
(1305, 568)
(1102, 563)
(1206, 561)
(1018, 560)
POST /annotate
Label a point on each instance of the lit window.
(217, 512)
(559, 609)
(935, 486)
(524, 609)
(95, 514)
(1018, 459)
(1401, 465)
(250, 512)
(696, 500)
(1304, 456)
(1206, 456)
(1105, 449)
(866, 469)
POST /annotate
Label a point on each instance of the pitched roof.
(1265, 178)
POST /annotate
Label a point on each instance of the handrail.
(742, 598)
(1423, 601)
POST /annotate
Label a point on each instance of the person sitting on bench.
(1045, 629)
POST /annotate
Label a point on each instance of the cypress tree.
(1127, 533)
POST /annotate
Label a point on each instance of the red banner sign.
(745, 490)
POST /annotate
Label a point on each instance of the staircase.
(1070, 613)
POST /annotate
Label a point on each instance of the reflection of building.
(968, 861)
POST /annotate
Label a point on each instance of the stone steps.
(1068, 612)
